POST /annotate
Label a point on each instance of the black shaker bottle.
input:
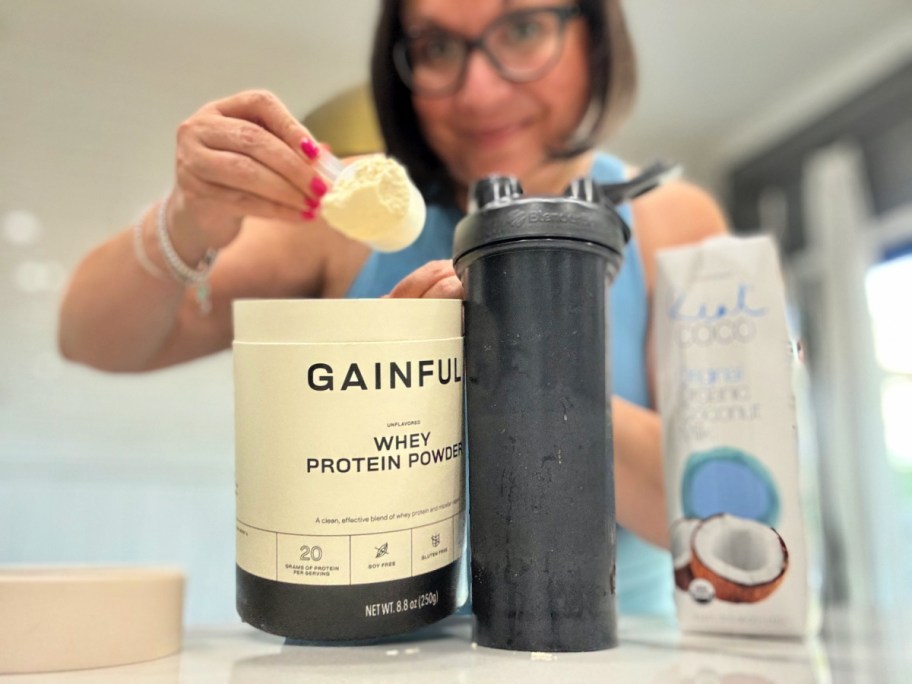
(536, 273)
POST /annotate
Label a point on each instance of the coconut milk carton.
(730, 440)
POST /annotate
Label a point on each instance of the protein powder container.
(350, 465)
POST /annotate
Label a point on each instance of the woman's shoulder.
(678, 213)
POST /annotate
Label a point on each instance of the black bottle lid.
(502, 213)
(494, 190)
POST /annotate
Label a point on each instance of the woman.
(462, 90)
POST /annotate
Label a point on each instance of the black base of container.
(340, 613)
(541, 631)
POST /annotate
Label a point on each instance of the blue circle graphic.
(728, 480)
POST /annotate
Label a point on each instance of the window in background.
(888, 285)
(827, 230)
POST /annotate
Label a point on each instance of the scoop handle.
(328, 165)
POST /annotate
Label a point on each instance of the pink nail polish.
(309, 148)
(311, 203)
(308, 215)
(318, 186)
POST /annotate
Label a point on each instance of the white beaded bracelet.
(139, 251)
(180, 271)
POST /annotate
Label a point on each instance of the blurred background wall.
(795, 113)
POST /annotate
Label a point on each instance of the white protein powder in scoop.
(374, 201)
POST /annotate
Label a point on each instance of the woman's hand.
(434, 280)
(246, 155)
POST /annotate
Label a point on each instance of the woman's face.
(491, 125)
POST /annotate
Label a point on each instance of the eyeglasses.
(520, 45)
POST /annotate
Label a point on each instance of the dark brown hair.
(612, 82)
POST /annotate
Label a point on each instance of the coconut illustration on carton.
(681, 533)
(744, 561)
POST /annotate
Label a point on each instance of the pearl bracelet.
(139, 251)
(179, 270)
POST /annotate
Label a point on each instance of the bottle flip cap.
(581, 214)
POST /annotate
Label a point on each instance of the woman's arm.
(673, 215)
(639, 488)
(237, 158)
(118, 317)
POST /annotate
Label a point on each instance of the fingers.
(257, 157)
(421, 280)
(436, 280)
(246, 150)
(448, 288)
(261, 146)
(219, 200)
(265, 109)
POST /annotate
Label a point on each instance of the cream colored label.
(350, 463)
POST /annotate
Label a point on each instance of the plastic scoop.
(372, 200)
(329, 165)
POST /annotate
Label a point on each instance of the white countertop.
(850, 649)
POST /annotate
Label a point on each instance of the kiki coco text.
(714, 316)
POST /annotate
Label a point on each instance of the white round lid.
(73, 618)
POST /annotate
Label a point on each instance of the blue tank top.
(644, 573)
